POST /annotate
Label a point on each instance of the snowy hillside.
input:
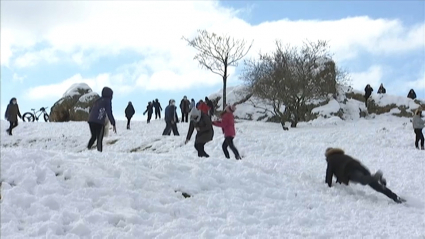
(52, 187)
(349, 104)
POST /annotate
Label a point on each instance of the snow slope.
(52, 187)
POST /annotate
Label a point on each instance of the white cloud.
(418, 84)
(372, 76)
(18, 78)
(82, 32)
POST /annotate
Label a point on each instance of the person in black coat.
(347, 169)
(412, 94)
(129, 112)
(381, 89)
(158, 108)
(12, 114)
(368, 92)
(149, 110)
(205, 133)
(171, 119)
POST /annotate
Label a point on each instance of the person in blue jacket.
(101, 108)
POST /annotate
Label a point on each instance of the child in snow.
(227, 124)
(12, 114)
(418, 125)
(101, 108)
(347, 169)
(205, 133)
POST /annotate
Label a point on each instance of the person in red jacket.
(227, 124)
(203, 107)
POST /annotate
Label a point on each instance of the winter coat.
(411, 95)
(368, 91)
(341, 165)
(418, 122)
(149, 109)
(203, 107)
(102, 107)
(227, 124)
(129, 111)
(12, 112)
(170, 114)
(205, 132)
(382, 90)
(185, 106)
(157, 106)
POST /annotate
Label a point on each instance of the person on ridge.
(158, 108)
(149, 110)
(418, 125)
(12, 114)
(381, 89)
(129, 112)
(412, 94)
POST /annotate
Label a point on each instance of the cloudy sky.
(136, 48)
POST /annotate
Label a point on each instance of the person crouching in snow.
(227, 124)
(12, 114)
(205, 133)
(347, 169)
(101, 109)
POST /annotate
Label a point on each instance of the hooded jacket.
(102, 107)
(227, 123)
(12, 111)
(129, 110)
(203, 122)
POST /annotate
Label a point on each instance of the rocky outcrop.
(74, 105)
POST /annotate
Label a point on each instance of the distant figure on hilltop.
(185, 109)
(149, 110)
(347, 169)
(418, 125)
(171, 119)
(412, 94)
(381, 89)
(210, 106)
(368, 92)
(12, 114)
(129, 112)
(101, 109)
(158, 109)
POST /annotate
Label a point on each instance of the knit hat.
(230, 108)
(195, 115)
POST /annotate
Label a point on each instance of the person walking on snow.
(158, 108)
(368, 92)
(101, 109)
(129, 112)
(12, 114)
(418, 125)
(347, 169)
(149, 110)
(171, 119)
(227, 124)
(205, 133)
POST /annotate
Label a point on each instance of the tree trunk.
(224, 84)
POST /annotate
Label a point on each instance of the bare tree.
(217, 53)
(290, 79)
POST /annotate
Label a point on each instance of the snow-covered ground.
(52, 187)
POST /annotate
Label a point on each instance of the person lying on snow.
(347, 169)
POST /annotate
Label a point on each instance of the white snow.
(52, 187)
(88, 97)
(73, 90)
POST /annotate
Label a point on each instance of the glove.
(144, 113)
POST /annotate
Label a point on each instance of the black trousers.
(12, 125)
(228, 142)
(185, 117)
(150, 116)
(128, 122)
(170, 127)
(419, 137)
(96, 131)
(157, 113)
(200, 147)
(367, 179)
